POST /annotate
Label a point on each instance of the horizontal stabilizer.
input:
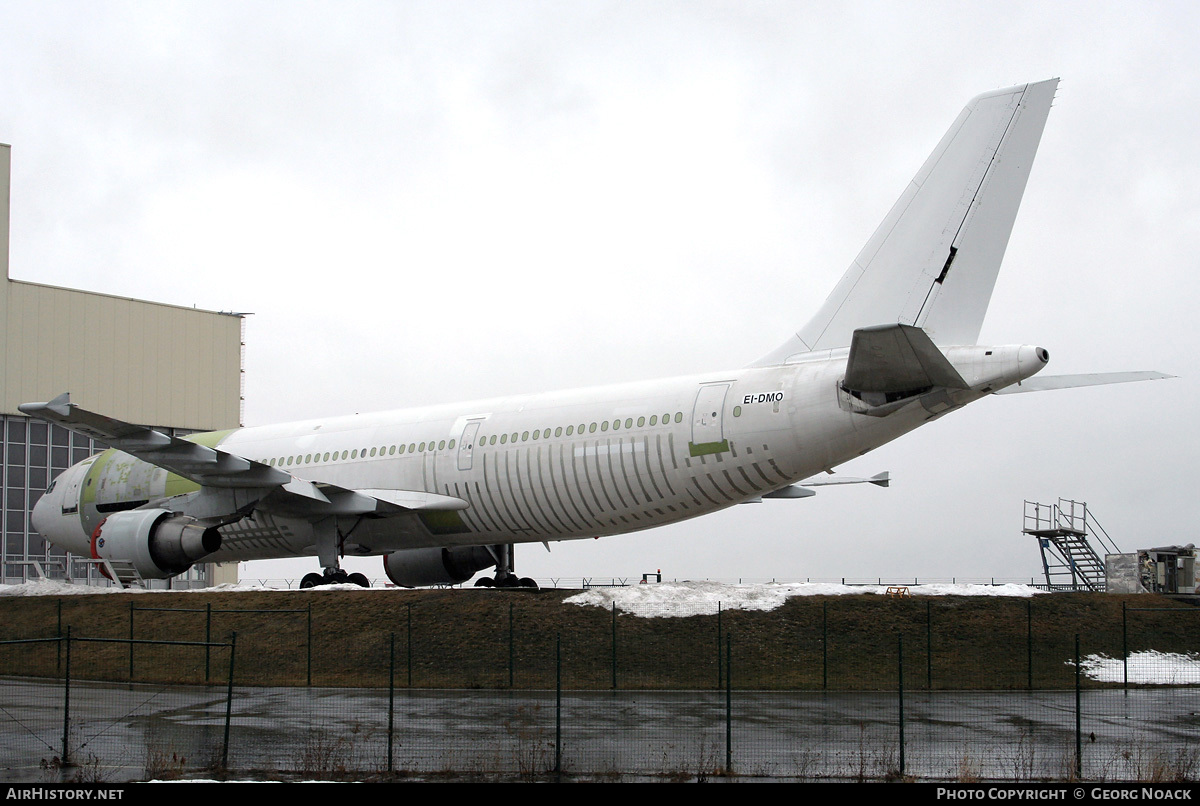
(1046, 383)
(897, 358)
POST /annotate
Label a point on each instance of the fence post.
(228, 704)
(728, 703)
(558, 703)
(1125, 644)
(391, 696)
(720, 667)
(900, 695)
(131, 642)
(1078, 717)
(824, 645)
(511, 640)
(309, 642)
(207, 638)
(67, 703)
(409, 658)
(928, 645)
(1029, 642)
(614, 646)
(58, 633)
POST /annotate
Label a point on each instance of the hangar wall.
(174, 368)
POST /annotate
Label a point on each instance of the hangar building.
(174, 368)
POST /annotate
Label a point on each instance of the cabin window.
(422, 448)
(654, 419)
(441, 444)
(679, 416)
(524, 436)
(641, 421)
(604, 425)
(737, 411)
(570, 430)
(558, 431)
(372, 451)
(629, 423)
(592, 428)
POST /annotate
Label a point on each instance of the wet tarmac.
(120, 733)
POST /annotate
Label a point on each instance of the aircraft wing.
(213, 467)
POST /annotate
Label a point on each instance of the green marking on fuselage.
(88, 496)
(210, 439)
(443, 522)
(178, 485)
(705, 448)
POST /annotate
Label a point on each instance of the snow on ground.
(664, 599)
(670, 599)
(1149, 667)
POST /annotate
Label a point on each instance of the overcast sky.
(423, 202)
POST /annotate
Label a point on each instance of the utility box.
(1167, 569)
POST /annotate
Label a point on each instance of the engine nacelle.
(159, 543)
(416, 568)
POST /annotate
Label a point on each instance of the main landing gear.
(505, 578)
(334, 576)
(329, 550)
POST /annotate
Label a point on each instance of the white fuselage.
(554, 466)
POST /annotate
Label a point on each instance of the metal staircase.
(1066, 532)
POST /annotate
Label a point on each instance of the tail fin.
(933, 261)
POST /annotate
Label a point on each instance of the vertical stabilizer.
(933, 261)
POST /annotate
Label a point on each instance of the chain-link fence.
(846, 689)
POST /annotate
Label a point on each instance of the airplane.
(444, 492)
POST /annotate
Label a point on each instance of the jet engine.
(415, 568)
(157, 542)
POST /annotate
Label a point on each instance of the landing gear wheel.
(526, 582)
(484, 582)
(311, 581)
(359, 579)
